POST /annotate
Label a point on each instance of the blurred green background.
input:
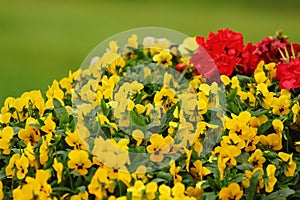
(42, 40)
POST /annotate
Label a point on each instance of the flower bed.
(206, 118)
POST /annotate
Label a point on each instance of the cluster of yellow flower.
(128, 127)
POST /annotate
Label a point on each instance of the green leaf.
(231, 96)
(165, 176)
(259, 112)
(243, 157)
(159, 180)
(270, 155)
(81, 188)
(233, 107)
(2, 175)
(136, 119)
(281, 194)
(63, 120)
(264, 127)
(245, 166)
(251, 190)
(209, 196)
(59, 109)
(296, 195)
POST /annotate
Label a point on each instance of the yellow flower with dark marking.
(163, 58)
(96, 186)
(165, 97)
(290, 165)
(233, 191)
(174, 171)
(158, 147)
(28, 151)
(30, 134)
(10, 168)
(272, 141)
(281, 105)
(22, 165)
(257, 159)
(35, 187)
(74, 140)
(49, 125)
(79, 161)
(194, 192)
(199, 171)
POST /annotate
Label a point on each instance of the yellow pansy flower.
(256, 159)
(58, 167)
(166, 98)
(74, 140)
(158, 147)
(270, 67)
(137, 190)
(233, 191)
(199, 171)
(30, 134)
(6, 135)
(194, 192)
(281, 105)
(248, 175)
(132, 41)
(290, 164)
(44, 148)
(188, 46)
(38, 186)
(96, 186)
(140, 173)
(54, 91)
(10, 168)
(138, 136)
(80, 196)
(67, 82)
(272, 141)
(79, 161)
(177, 192)
(22, 165)
(174, 171)
(271, 180)
(295, 110)
(113, 62)
(163, 58)
(226, 157)
(233, 139)
(5, 118)
(49, 125)
(28, 151)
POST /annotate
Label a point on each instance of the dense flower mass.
(229, 53)
(210, 118)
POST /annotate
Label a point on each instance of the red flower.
(268, 48)
(227, 50)
(249, 60)
(288, 74)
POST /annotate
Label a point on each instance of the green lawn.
(42, 40)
